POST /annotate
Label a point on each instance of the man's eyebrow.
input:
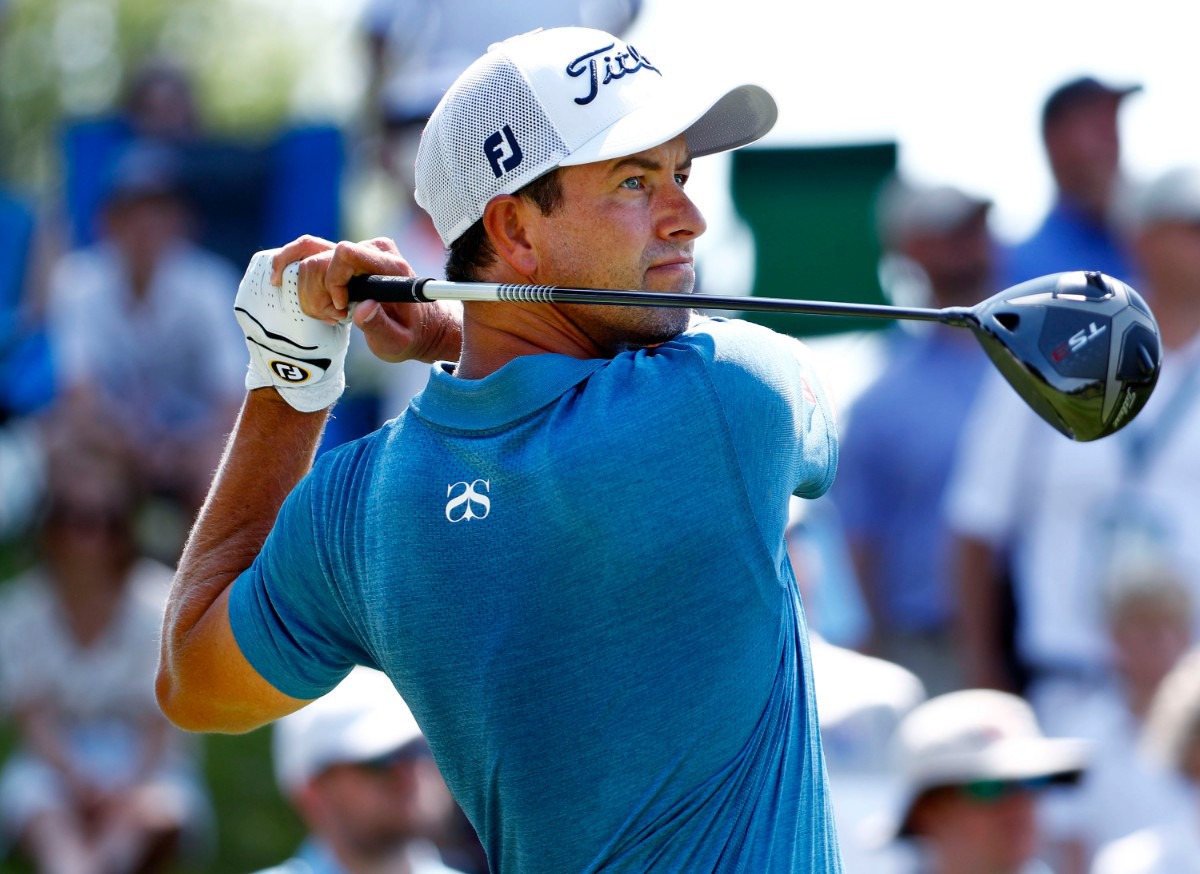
(641, 163)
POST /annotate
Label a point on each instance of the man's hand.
(394, 331)
(300, 356)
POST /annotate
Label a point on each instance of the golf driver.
(1081, 348)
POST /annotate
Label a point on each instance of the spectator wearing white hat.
(973, 765)
(359, 773)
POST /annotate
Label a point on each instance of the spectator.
(1149, 611)
(1016, 495)
(1083, 147)
(160, 102)
(974, 765)
(905, 426)
(139, 325)
(1172, 735)
(357, 769)
(99, 781)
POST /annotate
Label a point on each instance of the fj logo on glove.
(290, 372)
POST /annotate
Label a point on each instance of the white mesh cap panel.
(489, 123)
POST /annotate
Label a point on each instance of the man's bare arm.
(204, 682)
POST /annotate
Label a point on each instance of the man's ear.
(505, 221)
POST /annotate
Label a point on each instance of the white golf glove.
(301, 356)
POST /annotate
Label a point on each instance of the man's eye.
(681, 179)
(634, 183)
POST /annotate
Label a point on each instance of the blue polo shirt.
(574, 572)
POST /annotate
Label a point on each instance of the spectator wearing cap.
(139, 328)
(1082, 143)
(1172, 736)
(1018, 487)
(904, 426)
(359, 773)
(973, 766)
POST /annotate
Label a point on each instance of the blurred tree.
(255, 63)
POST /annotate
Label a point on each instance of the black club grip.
(388, 289)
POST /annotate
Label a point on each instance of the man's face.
(624, 223)
(371, 809)
(1084, 147)
(959, 262)
(993, 831)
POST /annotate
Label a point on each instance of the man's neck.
(496, 335)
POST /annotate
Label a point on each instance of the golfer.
(567, 553)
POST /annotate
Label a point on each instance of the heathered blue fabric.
(610, 659)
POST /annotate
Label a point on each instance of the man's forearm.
(271, 448)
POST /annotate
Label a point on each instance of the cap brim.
(1017, 759)
(738, 117)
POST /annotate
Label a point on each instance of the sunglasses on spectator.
(407, 753)
(994, 791)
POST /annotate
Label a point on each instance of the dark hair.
(472, 252)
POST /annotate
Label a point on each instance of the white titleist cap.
(559, 97)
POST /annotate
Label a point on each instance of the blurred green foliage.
(252, 63)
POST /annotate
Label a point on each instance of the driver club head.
(1081, 348)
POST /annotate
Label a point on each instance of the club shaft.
(420, 290)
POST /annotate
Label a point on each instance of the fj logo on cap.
(502, 151)
(616, 66)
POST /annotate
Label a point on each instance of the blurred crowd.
(1023, 693)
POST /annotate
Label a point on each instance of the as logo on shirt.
(468, 500)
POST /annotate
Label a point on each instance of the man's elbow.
(197, 710)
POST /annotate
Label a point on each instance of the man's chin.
(670, 279)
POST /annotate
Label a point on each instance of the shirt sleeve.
(778, 412)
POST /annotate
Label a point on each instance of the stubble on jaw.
(617, 329)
